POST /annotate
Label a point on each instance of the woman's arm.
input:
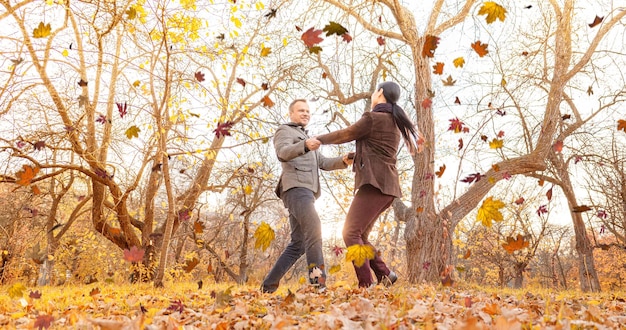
(353, 132)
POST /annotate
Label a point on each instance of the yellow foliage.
(264, 235)
(132, 131)
(496, 144)
(458, 62)
(16, 290)
(493, 11)
(490, 211)
(359, 254)
(42, 31)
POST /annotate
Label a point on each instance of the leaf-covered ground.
(185, 306)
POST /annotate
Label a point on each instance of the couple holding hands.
(377, 135)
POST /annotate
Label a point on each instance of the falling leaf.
(132, 131)
(334, 269)
(184, 215)
(495, 167)
(513, 245)
(500, 112)
(42, 30)
(602, 214)
(467, 254)
(35, 189)
(265, 86)
(359, 254)
(131, 13)
(271, 14)
(135, 254)
(337, 250)
(460, 144)
(493, 11)
(223, 129)
(543, 209)
(566, 116)
(449, 81)
(484, 138)
(427, 103)
(43, 321)
(447, 281)
(241, 82)
(438, 68)
(380, 40)
(26, 175)
(480, 48)
(94, 292)
(346, 37)
(519, 201)
(136, 83)
(265, 51)
(264, 235)
(549, 194)
(267, 102)
(593, 24)
(490, 211)
(334, 28)
(429, 47)
(580, 208)
(311, 37)
(590, 90)
(65, 53)
(442, 169)
(122, 109)
(557, 146)
(199, 76)
(198, 227)
(458, 62)
(456, 125)
(247, 190)
(621, 125)
(457, 101)
(472, 178)
(496, 144)
(82, 83)
(190, 264)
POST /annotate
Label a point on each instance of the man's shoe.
(390, 279)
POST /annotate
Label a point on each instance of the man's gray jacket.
(300, 166)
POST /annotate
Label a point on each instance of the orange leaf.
(438, 68)
(442, 169)
(430, 44)
(467, 254)
(419, 209)
(513, 245)
(549, 194)
(267, 102)
(35, 189)
(621, 125)
(191, 264)
(26, 175)
(480, 48)
(557, 146)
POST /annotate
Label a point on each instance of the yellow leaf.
(65, 53)
(490, 211)
(503, 82)
(302, 280)
(334, 269)
(131, 13)
(496, 144)
(42, 31)
(493, 11)
(136, 83)
(49, 2)
(359, 254)
(264, 235)
(236, 21)
(132, 131)
(458, 62)
(265, 51)
(16, 290)
(247, 190)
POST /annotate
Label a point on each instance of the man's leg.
(290, 255)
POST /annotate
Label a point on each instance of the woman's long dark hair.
(391, 92)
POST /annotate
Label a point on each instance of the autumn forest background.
(135, 138)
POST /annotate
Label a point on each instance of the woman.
(377, 136)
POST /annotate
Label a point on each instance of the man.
(298, 187)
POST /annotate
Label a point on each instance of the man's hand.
(312, 143)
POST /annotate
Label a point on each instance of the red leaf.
(43, 321)
(122, 109)
(501, 134)
(438, 68)
(543, 209)
(602, 214)
(267, 102)
(472, 178)
(457, 101)
(223, 129)
(39, 145)
(337, 250)
(460, 144)
(134, 254)
(241, 82)
(557, 146)
(199, 76)
(177, 306)
(265, 86)
(346, 37)
(456, 125)
(312, 37)
(380, 40)
(520, 201)
(34, 294)
(621, 125)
